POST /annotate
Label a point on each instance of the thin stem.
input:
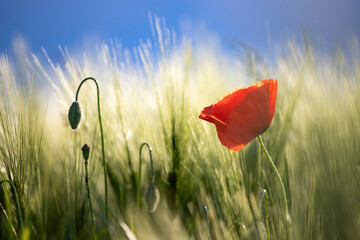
(17, 201)
(259, 163)
(103, 149)
(280, 182)
(152, 178)
(89, 196)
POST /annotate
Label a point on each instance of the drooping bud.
(86, 152)
(75, 115)
(152, 198)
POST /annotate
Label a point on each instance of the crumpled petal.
(207, 115)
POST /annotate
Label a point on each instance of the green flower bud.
(152, 198)
(86, 152)
(75, 115)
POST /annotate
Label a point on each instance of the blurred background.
(261, 23)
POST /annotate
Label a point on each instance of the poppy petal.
(225, 140)
(253, 115)
(224, 106)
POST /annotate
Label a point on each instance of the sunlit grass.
(154, 94)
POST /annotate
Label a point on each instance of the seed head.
(86, 152)
(75, 115)
(152, 198)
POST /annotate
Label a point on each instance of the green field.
(154, 93)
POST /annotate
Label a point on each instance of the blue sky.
(79, 23)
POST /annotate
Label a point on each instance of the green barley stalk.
(17, 201)
(264, 195)
(75, 115)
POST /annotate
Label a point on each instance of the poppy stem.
(103, 150)
(287, 216)
(152, 178)
(17, 201)
(89, 196)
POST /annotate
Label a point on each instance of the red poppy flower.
(243, 114)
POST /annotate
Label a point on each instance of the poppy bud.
(152, 198)
(86, 152)
(75, 115)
